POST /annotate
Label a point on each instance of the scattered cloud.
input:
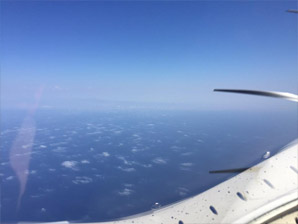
(125, 192)
(82, 180)
(147, 165)
(59, 149)
(30, 172)
(186, 154)
(69, 164)
(159, 161)
(10, 178)
(186, 164)
(37, 195)
(106, 154)
(182, 191)
(134, 149)
(129, 169)
(117, 132)
(126, 162)
(43, 210)
(85, 161)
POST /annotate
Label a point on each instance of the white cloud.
(137, 149)
(125, 192)
(182, 191)
(94, 133)
(27, 146)
(99, 176)
(106, 154)
(186, 164)
(37, 195)
(147, 165)
(82, 180)
(126, 162)
(183, 168)
(117, 132)
(85, 161)
(59, 149)
(129, 169)
(175, 147)
(9, 178)
(69, 164)
(159, 161)
(186, 154)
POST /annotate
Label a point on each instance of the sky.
(147, 54)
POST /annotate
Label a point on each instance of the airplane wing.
(265, 193)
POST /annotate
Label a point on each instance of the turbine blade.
(237, 170)
(292, 10)
(283, 95)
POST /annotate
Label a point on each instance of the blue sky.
(96, 54)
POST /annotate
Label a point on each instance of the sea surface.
(97, 166)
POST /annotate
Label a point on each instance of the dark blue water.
(95, 166)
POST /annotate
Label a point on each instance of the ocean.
(98, 166)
